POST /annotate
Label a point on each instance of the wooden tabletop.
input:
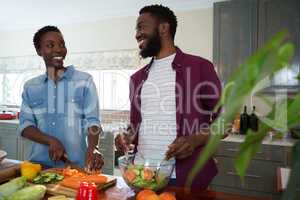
(121, 191)
(208, 195)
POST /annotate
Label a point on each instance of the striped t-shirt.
(158, 110)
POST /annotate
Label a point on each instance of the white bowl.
(2, 155)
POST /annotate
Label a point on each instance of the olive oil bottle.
(244, 121)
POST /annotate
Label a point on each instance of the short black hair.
(39, 34)
(163, 14)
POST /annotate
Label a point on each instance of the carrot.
(74, 181)
(96, 178)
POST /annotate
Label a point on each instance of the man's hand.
(123, 142)
(181, 148)
(56, 149)
(93, 160)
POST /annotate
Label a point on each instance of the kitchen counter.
(11, 121)
(122, 192)
(288, 142)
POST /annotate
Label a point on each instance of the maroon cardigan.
(198, 91)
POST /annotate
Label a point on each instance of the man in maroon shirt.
(197, 92)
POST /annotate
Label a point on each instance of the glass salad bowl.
(140, 174)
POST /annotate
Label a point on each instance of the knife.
(71, 164)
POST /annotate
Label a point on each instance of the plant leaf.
(271, 58)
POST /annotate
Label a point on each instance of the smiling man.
(172, 99)
(60, 108)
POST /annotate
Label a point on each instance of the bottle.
(244, 121)
(253, 121)
(236, 124)
(87, 191)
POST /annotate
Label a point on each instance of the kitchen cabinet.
(9, 141)
(260, 179)
(277, 15)
(235, 38)
(242, 26)
(107, 148)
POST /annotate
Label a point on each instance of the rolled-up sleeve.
(91, 105)
(27, 117)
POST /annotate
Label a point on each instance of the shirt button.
(73, 100)
(54, 96)
(53, 123)
(53, 110)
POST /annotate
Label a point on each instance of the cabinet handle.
(247, 175)
(232, 150)
(236, 150)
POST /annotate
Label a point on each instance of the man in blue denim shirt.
(60, 109)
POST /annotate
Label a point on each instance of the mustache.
(143, 36)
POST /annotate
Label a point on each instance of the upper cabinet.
(242, 26)
(235, 34)
(275, 15)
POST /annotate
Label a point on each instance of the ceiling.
(16, 14)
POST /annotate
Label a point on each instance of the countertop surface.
(11, 121)
(114, 128)
(107, 127)
(267, 141)
(122, 192)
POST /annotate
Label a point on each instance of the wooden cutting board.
(57, 189)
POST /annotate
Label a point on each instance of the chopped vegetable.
(12, 186)
(74, 181)
(130, 175)
(70, 172)
(48, 177)
(59, 197)
(30, 170)
(35, 192)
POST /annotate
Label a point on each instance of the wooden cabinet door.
(276, 15)
(235, 34)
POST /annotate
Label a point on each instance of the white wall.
(194, 35)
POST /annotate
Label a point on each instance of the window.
(112, 87)
(111, 71)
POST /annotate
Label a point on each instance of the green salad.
(143, 177)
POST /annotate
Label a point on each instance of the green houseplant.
(274, 56)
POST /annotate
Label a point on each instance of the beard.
(152, 46)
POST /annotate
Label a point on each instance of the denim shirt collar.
(67, 74)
